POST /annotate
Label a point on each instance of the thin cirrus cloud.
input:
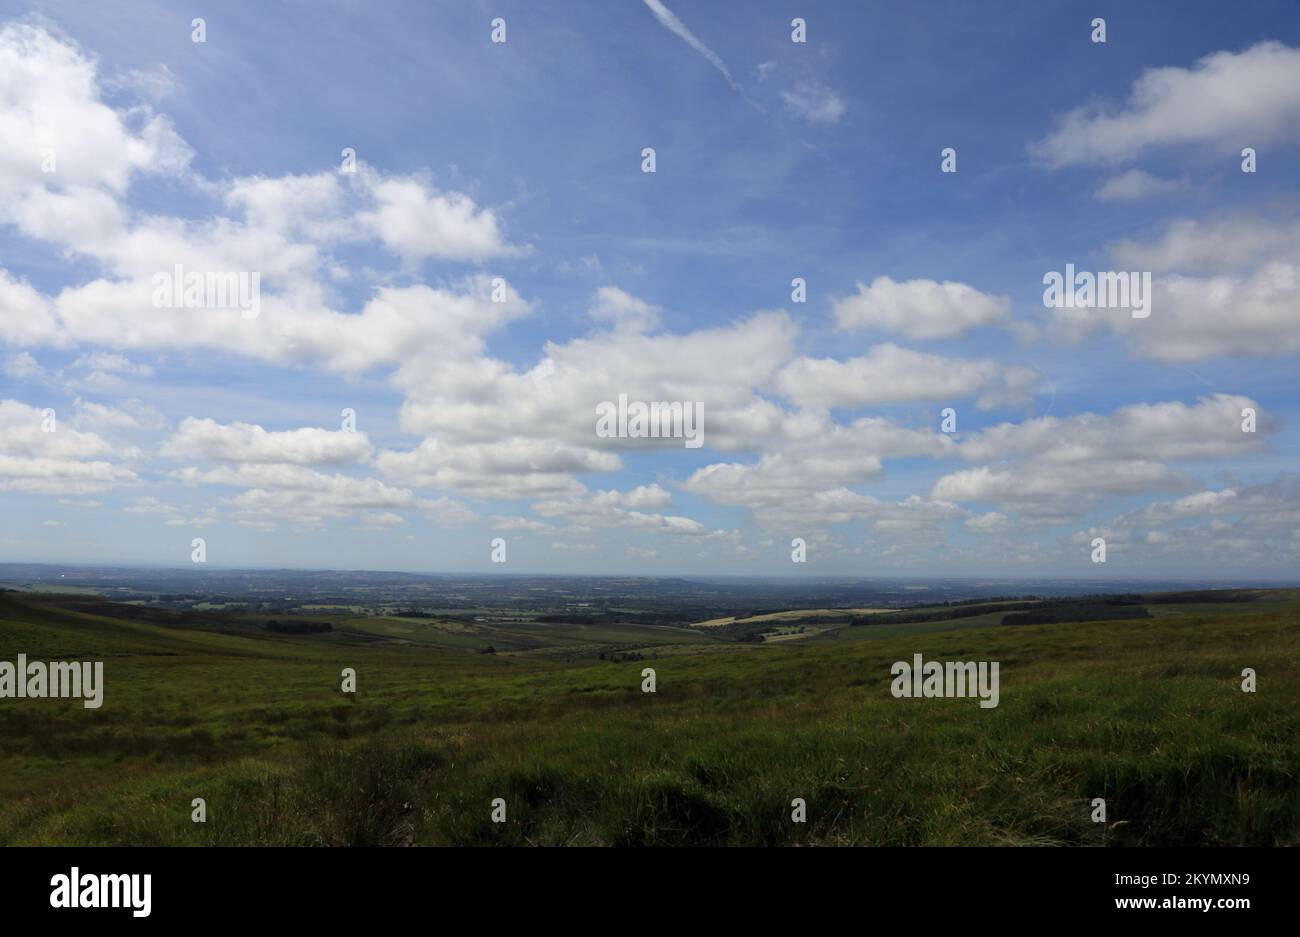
(1134, 185)
(671, 22)
(815, 102)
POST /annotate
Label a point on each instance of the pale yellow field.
(793, 615)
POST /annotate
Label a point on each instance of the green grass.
(1147, 714)
(564, 639)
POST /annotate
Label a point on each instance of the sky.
(458, 255)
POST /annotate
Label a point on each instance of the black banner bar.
(227, 885)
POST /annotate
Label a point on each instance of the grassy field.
(1147, 714)
(567, 638)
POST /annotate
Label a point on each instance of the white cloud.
(1214, 246)
(1209, 317)
(1227, 99)
(621, 509)
(418, 222)
(172, 515)
(1135, 184)
(509, 426)
(65, 461)
(510, 468)
(1056, 491)
(28, 317)
(246, 442)
(1054, 468)
(575, 547)
(1220, 288)
(279, 492)
(132, 414)
(800, 497)
(307, 203)
(1165, 431)
(445, 512)
(106, 370)
(675, 25)
(991, 523)
(622, 310)
(152, 84)
(24, 367)
(1247, 527)
(920, 309)
(890, 374)
(396, 325)
(513, 524)
(49, 99)
(815, 102)
(80, 208)
(482, 400)
(112, 363)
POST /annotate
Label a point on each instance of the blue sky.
(775, 159)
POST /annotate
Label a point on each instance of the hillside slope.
(1147, 714)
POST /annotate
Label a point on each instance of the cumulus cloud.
(1051, 469)
(1226, 287)
(517, 524)
(482, 419)
(622, 310)
(1212, 246)
(509, 468)
(246, 442)
(131, 414)
(395, 324)
(310, 204)
(112, 364)
(50, 100)
(24, 367)
(1226, 99)
(42, 455)
(890, 374)
(172, 515)
(108, 371)
(786, 501)
(623, 509)
(485, 400)
(1247, 527)
(993, 522)
(296, 494)
(920, 309)
(1165, 431)
(418, 222)
(1057, 491)
(287, 231)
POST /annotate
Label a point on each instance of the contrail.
(669, 19)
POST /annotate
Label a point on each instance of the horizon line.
(1277, 583)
